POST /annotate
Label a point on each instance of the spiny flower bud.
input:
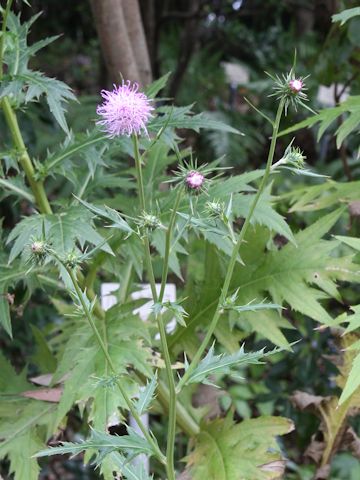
(149, 221)
(194, 180)
(71, 260)
(290, 89)
(38, 252)
(295, 157)
(215, 209)
(38, 248)
(296, 85)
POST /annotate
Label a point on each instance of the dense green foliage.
(74, 218)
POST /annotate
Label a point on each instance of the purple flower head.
(194, 180)
(296, 85)
(125, 110)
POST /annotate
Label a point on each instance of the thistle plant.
(110, 363)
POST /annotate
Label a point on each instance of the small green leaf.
(154, 88)
(109, 214)
(146, 396)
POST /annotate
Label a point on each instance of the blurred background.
(217, 52)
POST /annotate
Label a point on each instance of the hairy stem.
(235, 252)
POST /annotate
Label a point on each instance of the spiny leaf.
(146, 396)
(224, 364)
(16, 186)
(109, 214)
(61, 231)
(132, 443)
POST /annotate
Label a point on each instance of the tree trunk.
(137, 38)
(122, 40)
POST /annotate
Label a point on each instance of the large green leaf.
(24, 423)
(296, 276)
(61, 230)
(88, 374)
(247, 451)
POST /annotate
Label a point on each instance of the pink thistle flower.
(125, 111)
(296, 85)
(194, 180)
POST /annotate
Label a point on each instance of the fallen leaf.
(44, 394)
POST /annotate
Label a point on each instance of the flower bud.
(149, 221)
(194, 180)
(38, 247)
(71, 260)
(296, 85)
(295, 158)
(215, 209)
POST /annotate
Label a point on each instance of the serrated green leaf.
(16, 186)
(224, 364)
(61, 231)
(110, 214)
(132, 443)
(223, 450)
(26, 432)
(146, 396)
(25, 84)
(154, 88)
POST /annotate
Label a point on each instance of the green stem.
(140, 182)
(3, 34)
(103, 347)
(235, 252)
(168, 245)
(170, 447)
(165, 349)
(24, 159)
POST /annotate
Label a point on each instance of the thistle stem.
(141, 190)
(103, 347)
(169, 373)
(3, 33)
(169, 232)
(24, 159)
(235, 252)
